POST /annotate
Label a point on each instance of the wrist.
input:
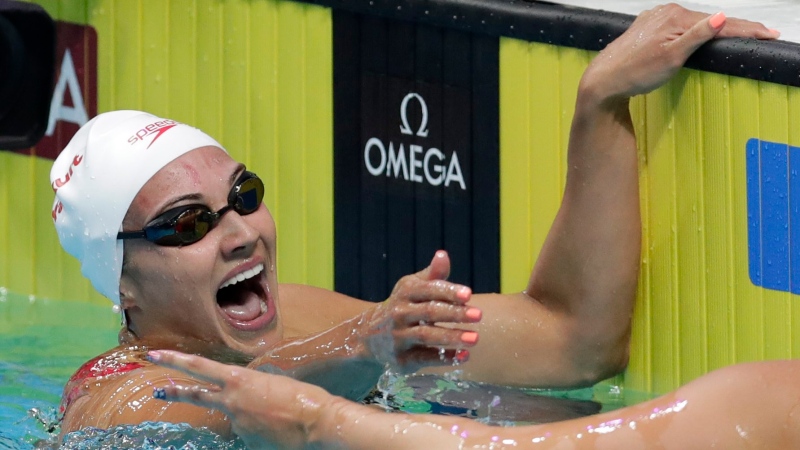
(375, 340)
(325, 421)
(596, 92)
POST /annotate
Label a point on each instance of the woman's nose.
(238, 236)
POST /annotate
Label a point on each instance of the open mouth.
(243, 300)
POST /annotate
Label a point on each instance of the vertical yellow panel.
(208, 68)
(47, 252)
(748, 301)
(72, 11)
(773, 103)
(235, 78)
(181, 76)
(319, 145)
(718, 217)
(155, 56)
(534, 133)
(128, 55)
(22, 232)
(639, 375)
(101, 16)
(262, 156)
(689, 166)
(291, 142)
(660, 253)
(515, 165)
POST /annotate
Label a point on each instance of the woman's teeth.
(247, 274)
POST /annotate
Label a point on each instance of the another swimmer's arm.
(745, 406)
(749, 405)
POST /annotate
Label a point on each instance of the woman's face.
(189, 296)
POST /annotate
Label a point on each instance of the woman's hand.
(408, 331)
(266, 411)
(657, 45)
(405, 331)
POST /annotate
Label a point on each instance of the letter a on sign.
(58, 110)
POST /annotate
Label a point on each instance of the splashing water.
(149, 436)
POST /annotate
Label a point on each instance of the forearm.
(746, 406)
(337, 360)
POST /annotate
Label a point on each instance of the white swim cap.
(97, 176)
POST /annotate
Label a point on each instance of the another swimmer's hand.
(405, 331)
(656, 46)
(266, 411)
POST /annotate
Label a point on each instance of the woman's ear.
(127, 298)
(127, 301)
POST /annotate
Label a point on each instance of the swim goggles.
(188, 224)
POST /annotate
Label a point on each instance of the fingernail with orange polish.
(717, 20)
(474, 314)
(464, 293)
(461, 355)
(469, 337)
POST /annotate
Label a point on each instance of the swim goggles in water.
(188, 224)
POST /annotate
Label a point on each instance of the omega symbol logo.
(423, 125)
(410, 161)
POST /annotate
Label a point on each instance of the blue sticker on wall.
(773, 215)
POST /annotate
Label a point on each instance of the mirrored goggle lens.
(249, 195)
(189, 227)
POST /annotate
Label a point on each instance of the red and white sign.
(74, 99)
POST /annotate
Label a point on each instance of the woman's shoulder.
(310, 309)
(116, 387)
(111, 364)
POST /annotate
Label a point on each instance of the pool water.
(42, 342)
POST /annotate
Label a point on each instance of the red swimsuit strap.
(101, 366)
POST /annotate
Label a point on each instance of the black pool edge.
(588, 29)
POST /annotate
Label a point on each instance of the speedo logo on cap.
(155, 129)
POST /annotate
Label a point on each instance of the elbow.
(612, 364)
(600, 359)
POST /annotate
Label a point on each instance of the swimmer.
(750, 406)
(174, 232)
